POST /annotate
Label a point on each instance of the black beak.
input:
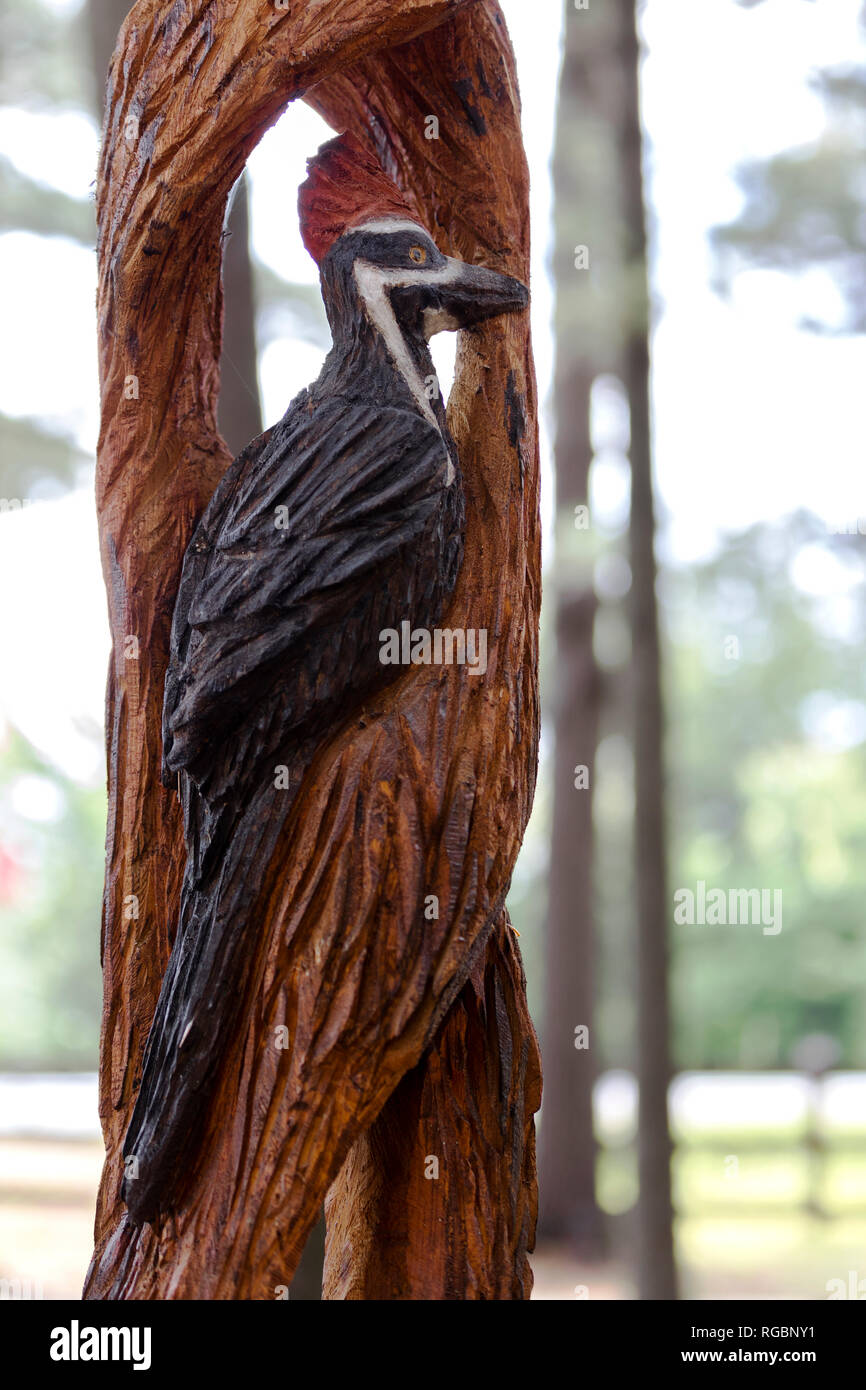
(471, 294)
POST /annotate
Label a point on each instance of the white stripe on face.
(374, 286)
(434, 320)
(389, 224)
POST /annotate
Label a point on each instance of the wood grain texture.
(436, 1200)
(429, 791)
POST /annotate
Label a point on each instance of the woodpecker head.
(365, 238)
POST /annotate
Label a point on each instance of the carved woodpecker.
(344, 519)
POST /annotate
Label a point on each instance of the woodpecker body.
(345, 519)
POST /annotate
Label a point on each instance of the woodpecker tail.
(209, 974)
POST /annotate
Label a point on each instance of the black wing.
(295, 561)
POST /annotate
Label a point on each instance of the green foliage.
(33, 207)
(50, 898)
(758, 798)
(755, 801)
(806, 208)
(30, 455)
(43, 67)
(43, 58)
(758, 802)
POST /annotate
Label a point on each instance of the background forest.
(721, 238)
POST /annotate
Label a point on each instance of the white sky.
(753, 417)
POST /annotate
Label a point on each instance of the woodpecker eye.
(417, 254)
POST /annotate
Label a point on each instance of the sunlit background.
(758, 380)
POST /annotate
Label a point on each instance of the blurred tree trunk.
(583, 214)
(657, 1277)
(104, 18)
(239, 414)
(568, 1209)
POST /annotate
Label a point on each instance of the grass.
(743, 1229)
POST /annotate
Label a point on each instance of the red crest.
(345, 187)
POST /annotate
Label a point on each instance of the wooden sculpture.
(339, 526)
(341, 1010)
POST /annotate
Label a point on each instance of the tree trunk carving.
(427, 793)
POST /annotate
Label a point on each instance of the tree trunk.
(239, 414)
(104, 18)
(430, 793)
(585, 214)
(569, 1211)
(657, 1277)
